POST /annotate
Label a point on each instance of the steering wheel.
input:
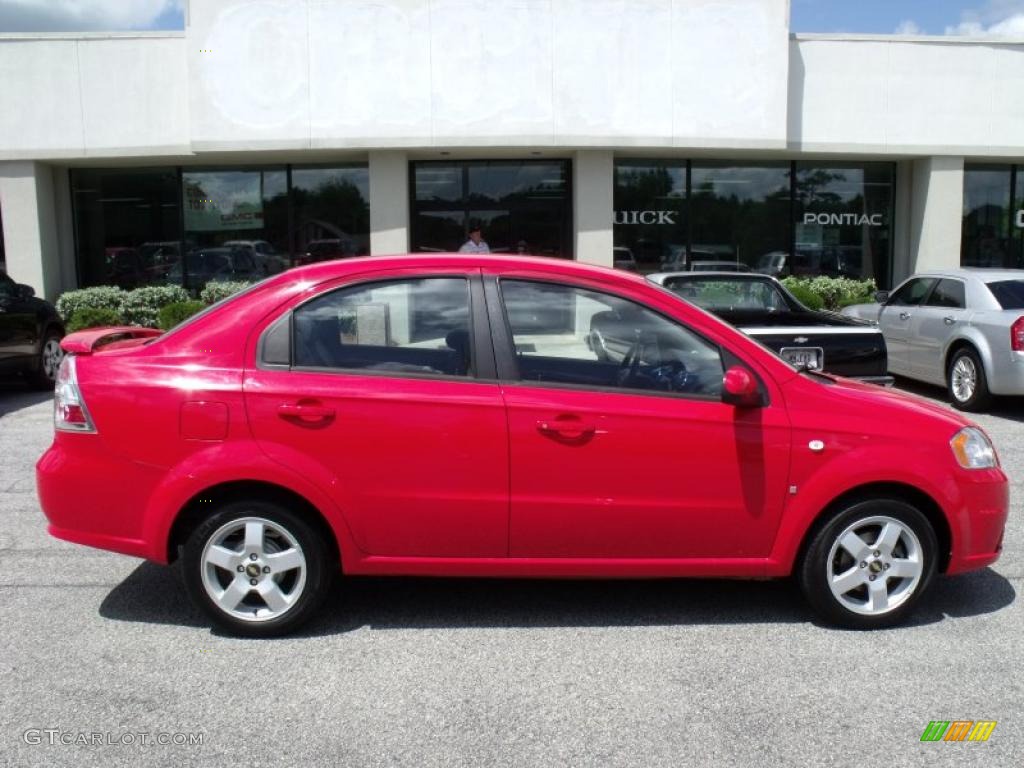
(631, 361)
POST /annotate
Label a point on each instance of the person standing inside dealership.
(476, 243)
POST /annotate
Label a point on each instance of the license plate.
(811, 357)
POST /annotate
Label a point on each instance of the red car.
(488, 416)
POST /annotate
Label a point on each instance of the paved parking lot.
(470, 673)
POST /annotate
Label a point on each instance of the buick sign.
(645, 217)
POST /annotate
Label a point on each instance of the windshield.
(730, 295)
(1009, 293)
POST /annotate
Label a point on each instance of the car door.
(18, 327)
(935, 321)
(895, 322)
(620, 444)
(383, 391)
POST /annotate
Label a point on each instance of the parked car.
(267, 259)
(718, 266)
(216, 264)
(761, 307)
(30, 334)
(958, 328)
(326, 250)
(622, 258)
(501, 416)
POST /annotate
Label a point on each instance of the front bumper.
(979, 520)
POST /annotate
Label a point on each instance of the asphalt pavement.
(102, 656)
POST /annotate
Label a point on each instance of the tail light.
(69, 411)
(1017, 335)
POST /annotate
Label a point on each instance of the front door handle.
(948, 320)
(568, 427)
(309, 413)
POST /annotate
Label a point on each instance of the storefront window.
(127, 225)
(521, 206)
(843, 220)
(3, 259)
(739, 215)
(331, 212)
(650, 231)
(993, 223)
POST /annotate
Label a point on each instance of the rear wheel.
(966, 382)
(869, 564)
(257, 569)
(50, 356)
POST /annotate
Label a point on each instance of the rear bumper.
(980, 520)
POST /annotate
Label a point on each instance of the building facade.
(644, 134)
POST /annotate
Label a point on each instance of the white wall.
(937, 201)
(593, 188)
(389, 202)
(30, 226)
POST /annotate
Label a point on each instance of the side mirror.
(881, 296)
(739, 388)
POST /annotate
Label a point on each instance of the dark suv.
(30, 334)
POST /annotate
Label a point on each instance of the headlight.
(973, 449)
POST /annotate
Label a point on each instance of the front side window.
(912, 293)
(948, 293)
(418, 326)
(568, 335)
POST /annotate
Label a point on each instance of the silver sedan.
(961, 328)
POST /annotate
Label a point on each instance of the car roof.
(984, 274)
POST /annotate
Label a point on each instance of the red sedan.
(488, 416)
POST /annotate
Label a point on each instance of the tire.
(47, 362)
(854, 592)
(966, 381)
(286, 570)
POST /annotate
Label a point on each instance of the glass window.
(739, 215)
(521, 206)
(948, 293)
(1009, 293)
(650, 215)
(235, 215)
(608, 342)
(725, 295)
(912, 293)
(3, 259)
(331, 213)
(985, 238)
(416, 326)
(127, 226)
(843, 215)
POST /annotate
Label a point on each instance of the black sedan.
(761, 307)
(30, 334)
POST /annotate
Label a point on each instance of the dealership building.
(645, 134)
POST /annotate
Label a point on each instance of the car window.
(948, 293)
(571, 335)
(418, 326)
(912, 293)
(1009, 293)
(729, 295)
(8, 288)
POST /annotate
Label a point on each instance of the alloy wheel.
(963, 378)
(51, 358)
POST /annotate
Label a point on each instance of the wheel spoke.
(254, 537)
(844, 582)
(855, 545)
(904, 569)
(280, 562)
(878, 595)
(222, 557)
(888, 537)
(272, 595)
(234, 594)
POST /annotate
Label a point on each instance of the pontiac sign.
(844, 219)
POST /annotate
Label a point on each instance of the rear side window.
(948, 293)
(418, 326)
(1009, 293)
(912, 293)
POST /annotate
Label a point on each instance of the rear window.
(1009, 293)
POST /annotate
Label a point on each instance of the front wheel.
(869, 564)
(256, 569)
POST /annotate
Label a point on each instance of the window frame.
(507, 361)
(483, 365)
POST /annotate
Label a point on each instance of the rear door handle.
(310, 413)
(948, 320)
(904, 315)
(567, 427)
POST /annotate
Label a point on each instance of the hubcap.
(875, 565)
(52, 355)
(253, 569)
(964, 379)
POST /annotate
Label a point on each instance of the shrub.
(805, 295)
(142, 306)
(92, 317)
(172, 314)
(215, 291)
(101, 297)
(833, 291)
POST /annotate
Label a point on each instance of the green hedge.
(102, 297)
(142, 306)
(805, 295)
(215, 291)
(833, 292)
(92, 317)
(180, 311)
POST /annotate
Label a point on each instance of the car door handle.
(904, 315)
(570, 428)
(948, 320)
(309, 413)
